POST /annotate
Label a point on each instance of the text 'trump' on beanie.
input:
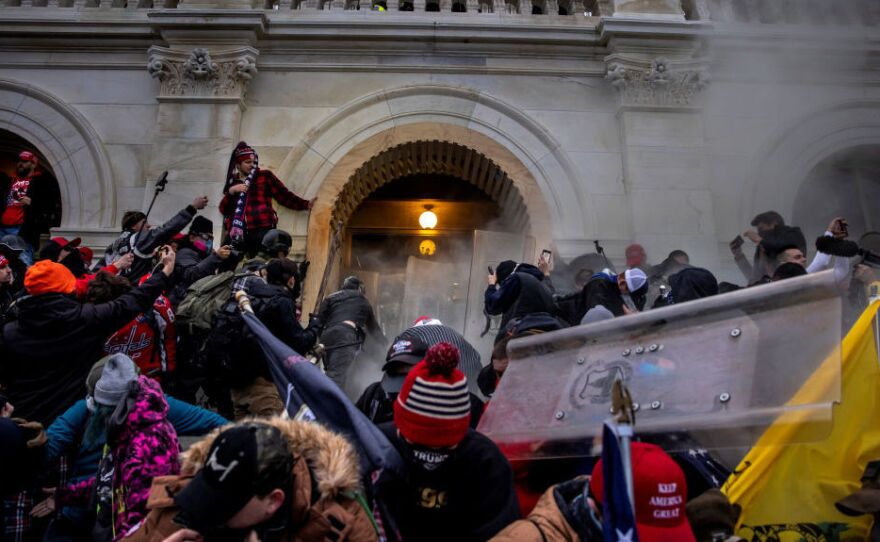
(48, 277)
(433, 408)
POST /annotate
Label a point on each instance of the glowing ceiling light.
(428, 219)
(427, 248)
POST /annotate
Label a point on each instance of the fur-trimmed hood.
(332, 460)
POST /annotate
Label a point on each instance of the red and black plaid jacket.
(258, 211)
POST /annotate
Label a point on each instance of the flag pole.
(624, 418)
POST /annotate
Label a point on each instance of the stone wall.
(648, 124)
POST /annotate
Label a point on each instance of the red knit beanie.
(433, 408)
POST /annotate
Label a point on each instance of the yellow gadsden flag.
(787, 493)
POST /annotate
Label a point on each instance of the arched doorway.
(11, 145)
(845, 184)
(413, 269)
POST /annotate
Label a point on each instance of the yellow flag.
(787, 493)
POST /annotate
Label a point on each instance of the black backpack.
(230, 351)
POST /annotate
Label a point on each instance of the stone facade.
(665, 122)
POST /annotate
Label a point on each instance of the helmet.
(276, 241)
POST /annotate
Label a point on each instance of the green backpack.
(204, 297)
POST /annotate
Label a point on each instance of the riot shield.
(719, 369)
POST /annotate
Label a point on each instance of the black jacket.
(46, 354)
(348, 305)
(466, 496)
(143, 243)
(274, 306)
(43, 213)
(190, 266)
(522, 293)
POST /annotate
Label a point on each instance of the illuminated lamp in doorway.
(427, 248)
(428, 219)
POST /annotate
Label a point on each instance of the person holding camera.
(771, 236)
(247, 200)
(141, 239)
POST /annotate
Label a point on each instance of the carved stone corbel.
(659, 82)
(200, 75)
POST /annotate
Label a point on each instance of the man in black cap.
(141, 239)
(260, 478)
(377, 401)
(866, 500)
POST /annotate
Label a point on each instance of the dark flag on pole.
(310, 395)
(618, 515)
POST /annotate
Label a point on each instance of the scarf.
(237, 230)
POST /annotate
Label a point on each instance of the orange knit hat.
(47, 277)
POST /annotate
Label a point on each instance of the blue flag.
(310, 395)
(618, 516)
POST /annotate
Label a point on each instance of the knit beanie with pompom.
(433, 408)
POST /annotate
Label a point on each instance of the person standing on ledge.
(247, 200)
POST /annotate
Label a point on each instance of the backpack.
(229, 349)
(204, 297)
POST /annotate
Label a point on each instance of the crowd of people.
(107, 367)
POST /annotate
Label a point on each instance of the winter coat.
(600, 291)
(143, 243)
(275, 307)
(43, 213)
(691, 284)
(323, 506)
(21, 453)
(553, 517)
(144, 446)
(66, 433)
(521, 293)
(350, 305)
(465, 494)
(150, 340)
(258, 211)
(46, 354)
(190, 266)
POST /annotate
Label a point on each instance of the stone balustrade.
(815, 12)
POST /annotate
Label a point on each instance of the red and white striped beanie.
(433, 408)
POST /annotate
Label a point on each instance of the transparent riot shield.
(719, 370)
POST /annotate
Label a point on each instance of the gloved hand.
(315, 322)
(572, 500)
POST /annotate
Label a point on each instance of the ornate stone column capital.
(658, 82)
(202, 76)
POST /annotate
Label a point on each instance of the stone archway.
(433, 157)
(338, 179)
(543, 175)
(798, 149)
(71, 146)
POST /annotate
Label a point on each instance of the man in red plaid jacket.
(255, 210)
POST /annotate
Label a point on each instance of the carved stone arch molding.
(72, 147)
(798, 148)
(325, 160)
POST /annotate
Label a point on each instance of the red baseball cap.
(660, 492)
(64, 243)
(86, 254)
(635, 255)
(28, 156)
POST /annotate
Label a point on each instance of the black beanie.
(200, 225)
(131, 218)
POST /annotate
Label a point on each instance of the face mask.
(200, 245)
(209, 245)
